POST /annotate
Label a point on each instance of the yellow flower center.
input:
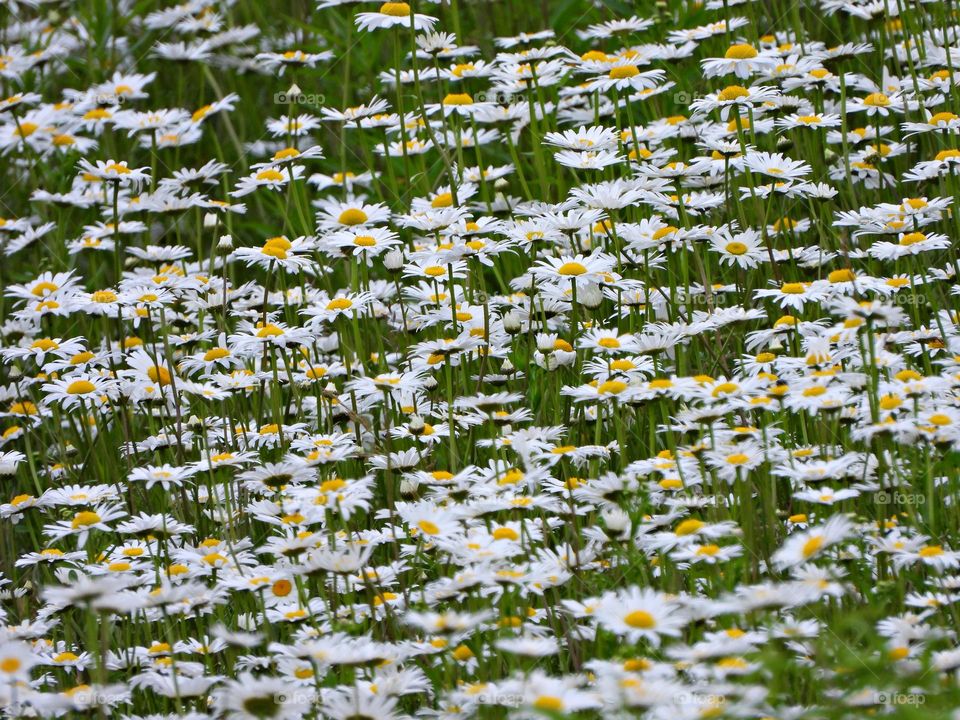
(622, 72)
(428, 527)
(104, 296)
(571, 269)
(270, 175)
(353, 216)
(732, 92)
(740, 51)
(458, 99)
(812, 546)
(80, 387)
(688, 527)
(84, 519)
(912, 238)
(640, 619)
(159, 374)
(876, 100)
(549, 703)
(611, 387)
(442, 200)
(395, 9)
(736, 248)
(45, 344)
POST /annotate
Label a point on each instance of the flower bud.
(616, 520)
(590, 296)
(416, 425)
(511, 322)
(393, 260)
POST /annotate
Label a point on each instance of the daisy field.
(479, 359)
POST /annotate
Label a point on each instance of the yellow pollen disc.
(611, 387)
(84, 519)
(270, 175)
(640, 619)
(571, 269)
(812, 546)
(458, 99)
(688, 527)
(740, 51)
(80, 387)
(103, 296)
(395, 9)
(352, 216)
(622, 72)
(732, 92)
(443, 200)
(159, 375)
(841, 276)
(736, 248)
(215, 354)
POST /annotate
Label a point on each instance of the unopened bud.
(225, 244)
(545, 343)
(416, 425)
(210, 220)
(616, 519)
(590, 296)
(511, 322)
(393, 260)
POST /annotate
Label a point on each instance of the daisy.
(742, 60)
(624, 75)
(87, 390)
(742, 249)
(116, 172)
(270, 177)
(805, 546)
(576, 269)
(640, 614)
(394, 14)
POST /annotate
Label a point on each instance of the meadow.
(489, 359)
